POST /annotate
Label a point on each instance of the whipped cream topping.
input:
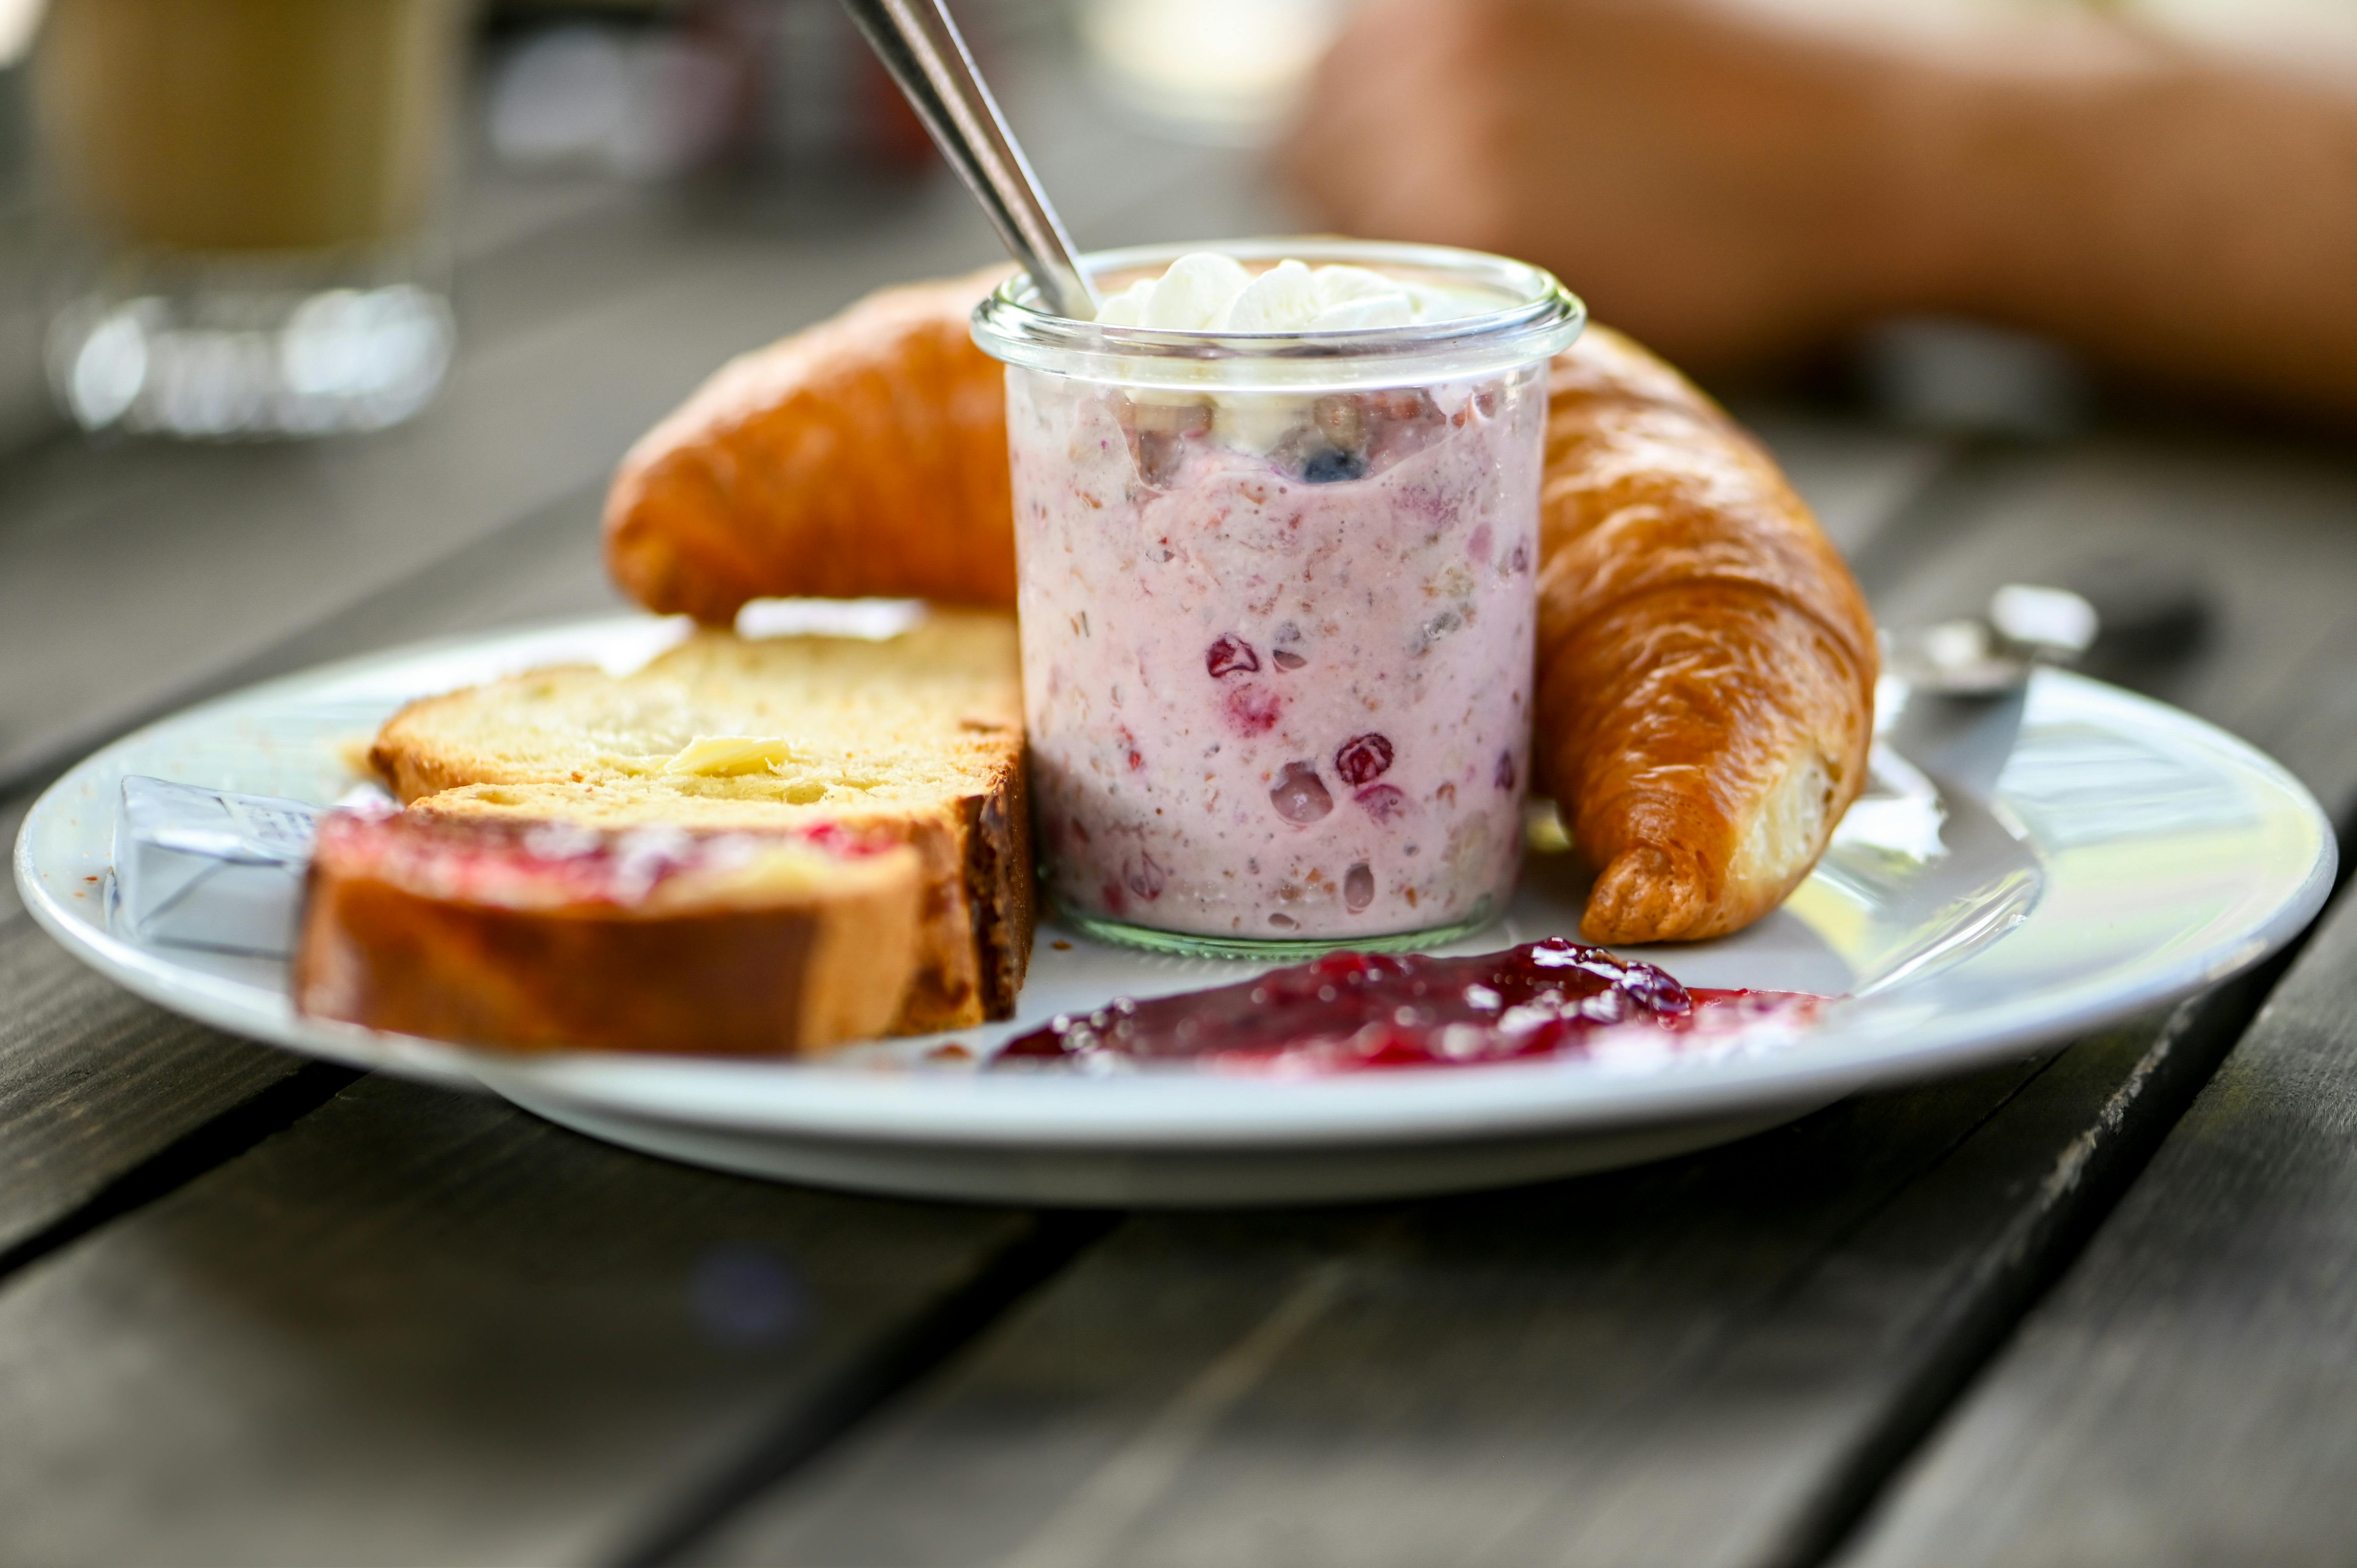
(1207, 292)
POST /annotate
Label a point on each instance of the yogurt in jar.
(1278, 644)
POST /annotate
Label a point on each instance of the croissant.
(1705, 663)
(866, 457)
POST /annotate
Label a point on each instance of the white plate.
(2060, 861)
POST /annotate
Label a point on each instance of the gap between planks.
(2035, 1254)
(207, 1146)
(871, 1382)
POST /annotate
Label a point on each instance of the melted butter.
(729, 755)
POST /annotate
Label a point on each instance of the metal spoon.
(1990, 654)
(921, 47)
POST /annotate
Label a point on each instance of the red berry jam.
(526, 864)
(1348, 1011)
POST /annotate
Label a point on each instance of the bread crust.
(830, 461)
(999, 878)
(1705, 662)
(404, 754)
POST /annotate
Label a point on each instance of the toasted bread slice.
(917, 739)
(532, 936)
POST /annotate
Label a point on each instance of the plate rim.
(1227, 1113)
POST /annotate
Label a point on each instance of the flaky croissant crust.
(1705, 663)
(866, 457)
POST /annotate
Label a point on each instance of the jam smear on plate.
(1350, 1011)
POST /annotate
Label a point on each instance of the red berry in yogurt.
(1230, 655)
(1362, 758)
(1383, 803)
(1255, 709)
(1147, 879)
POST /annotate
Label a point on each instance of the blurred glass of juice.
(247, 214)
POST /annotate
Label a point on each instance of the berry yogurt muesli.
(1277, 639)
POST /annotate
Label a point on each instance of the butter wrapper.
(206, 868)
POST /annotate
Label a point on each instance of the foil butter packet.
(207, 868)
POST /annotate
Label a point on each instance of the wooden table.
(2096, 1307)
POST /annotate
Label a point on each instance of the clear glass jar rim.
(1541, 319)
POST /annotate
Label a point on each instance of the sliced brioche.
(852, 721)
(916, 738)
(533, 937)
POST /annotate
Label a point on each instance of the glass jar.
(1278, 598)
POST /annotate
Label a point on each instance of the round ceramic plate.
(2023, 869)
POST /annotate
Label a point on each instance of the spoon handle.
(921, 47)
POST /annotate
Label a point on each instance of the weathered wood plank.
(1356, 1385)
(2185, 1396)
(1696, 1363)
(93, 1081)
(423, 1328)
(13, 809)
(2268, 533)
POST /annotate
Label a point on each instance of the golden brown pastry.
(1706, 666)
(864, 456)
